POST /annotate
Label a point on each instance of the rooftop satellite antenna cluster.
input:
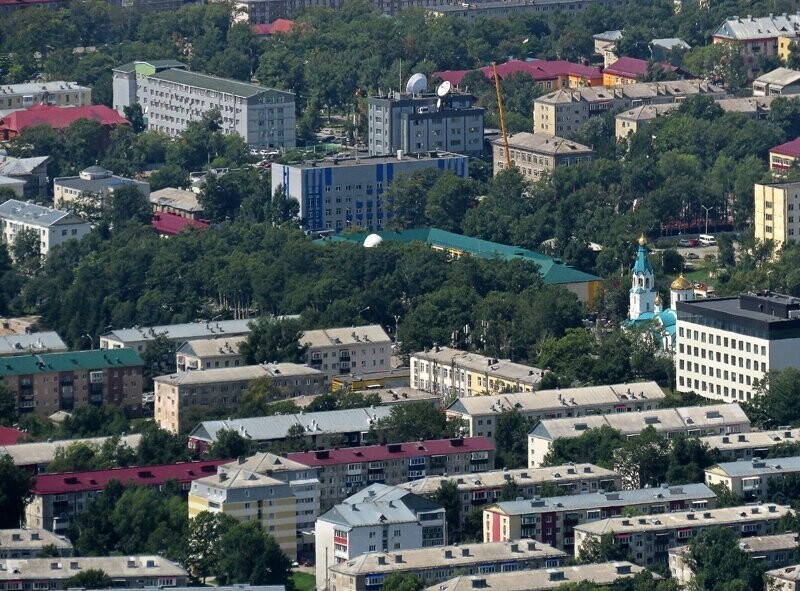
(417, 84)
(442, 91)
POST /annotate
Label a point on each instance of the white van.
(707, 240)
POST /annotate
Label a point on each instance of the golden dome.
(642, 240)
(681, 284)
(658, 298)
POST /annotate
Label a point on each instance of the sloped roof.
(281, 25)
(544, 143)
(791, 148)
(537, 69)
(631, 67)
(170, 224)
(60, 117)
(765, 27)
(157, 64)
(12, 166)
(69, 361)
(234, 87)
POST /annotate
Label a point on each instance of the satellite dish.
(444, 89)
(417, 84)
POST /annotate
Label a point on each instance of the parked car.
(692, 256)
(684, 242)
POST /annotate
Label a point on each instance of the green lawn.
(303, 581)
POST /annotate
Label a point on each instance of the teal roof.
(642, 264)
(225, 85)
(68, 361)
(553, 271)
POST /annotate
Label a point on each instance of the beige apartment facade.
(343, 351)
(534, 154)
(777, 212)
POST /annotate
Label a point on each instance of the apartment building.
(51, 382)
(323, 429)
(380, 518)
(757, 37)
(648, 539)
(223, 387)
(343, 472)
(181, 202)
(604, 574)
(434, 565)
(337, 351)
(476, 490)
(746, 446)
(534, 154)
(249, 496)
(136, 572)
(780, 81)
(60, 93)
(691, 421)
(480, 413)
(58, 119)
(59, 498)
(30, 542)
(210, 354)
(553, 519)
(32, 172)
(451, 372)
(36, 456)
(36, 342)
(171, 97)
(340, 193)
(725, 345)
(425, 122)
(774, 551)
(629, 70)
(783, 579)
(777, 211)
(302, 480)
(52, 226)
(784, 156)
(138, 337)
(751, 479)
(564, 111)
(94, 183)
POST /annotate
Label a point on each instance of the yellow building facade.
(776, 214)
(249, 496)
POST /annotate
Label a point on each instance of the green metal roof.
(225, 85)
(552, 270)
(155, 64)
(69, 361)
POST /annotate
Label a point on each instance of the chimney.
(399, 154)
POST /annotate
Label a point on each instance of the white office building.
(52, 225)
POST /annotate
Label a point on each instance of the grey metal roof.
(780, 77)
(56, 86)
(43, 452)
(182, 199)
(608, 36)
(765, 27)
(684, 492)
(758, 467)
(30, 213)
(544, 143)
(670, 43)
(131, 66)
(333, 337)
(380, 503)
(12, 166)
(222, 375)
(181, 332)
(275, 427)
(96, 185)
(38, 341)
(225, 85)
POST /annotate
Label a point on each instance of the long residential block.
(36, 456)
(751, 479)
(746, 446)
(30, 542)
(138, 337)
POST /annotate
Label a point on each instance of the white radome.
(372, 241)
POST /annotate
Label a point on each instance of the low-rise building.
(602, 574)
(36, 456)
(52, 226)
(136, 572)
(93, 184)
(180, 202)
(342, 351)
(668, 49)
(57, 92)
(691, 421)
(249, 496)
(390, 384)
(210, 353)
(480, 413)
(434, 565)
(546, 74)
(378, 519)
(553, 519)
(323, 429)
(605, 45)
(648, 539)
(57, 118)
(784, 156)
(59, 498)
(476, 490)
(30, 542)
(346, 193)
(629, 70)
(302, 480)
(138, 337)
(223, 387)
(772, 551)
(783, 579)
(781, 81)
(451, 372)
(534, 154)
(345, 471)
(36, 342)
(630, 121)
(746, 446)
(50, 382)
(31, 171)
(751, 479)
(725, 345)
(756, 37)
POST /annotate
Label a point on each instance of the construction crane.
(502, 117)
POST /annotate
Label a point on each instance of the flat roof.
(666, 521)
(731, 307)
(14, 344)
(757, 467)
(236, 374)
(224, 85)
(361, 161)
(114, 566)
(219, 346)
(44, 452)
(447, 556)
(781, 76)
(38, 215)
(56, 86)
(503, 368)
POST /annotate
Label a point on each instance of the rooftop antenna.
(442, 91)
(417, 84)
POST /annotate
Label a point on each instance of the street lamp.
(707, 210)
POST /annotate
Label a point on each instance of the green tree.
(596, 446)
(8, 405)
(229, 444)
(719, 564)
(726, 497)
(205, 530)
(14, 493)
(570, 355)
(413, 421)
(76, 457)
(49, 551)
(27, 250)
(473, 526)
(511, 438)
(406, 198)
(92, 578)
(135, 115)
(606, 549)
(402, 582)
(510, 490)
(159, 359)
(447, 496)
(276, 340)
(260, 392)
(777, 399)
(159, 446)
(642, 460)
(247, 554)
(127, 205)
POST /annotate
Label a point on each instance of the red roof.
(788, 149)
(631, 67)
(10, 436)
(59, 117)
(171, 224)
(68, 482)
(281, 25)
(538, 69)
(376, 453)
